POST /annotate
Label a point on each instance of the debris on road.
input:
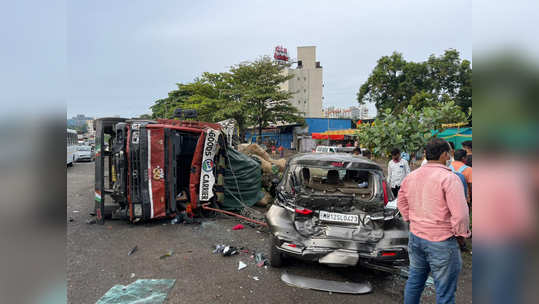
(238, 227)
(256, 278)
(166, 255)
(140, 291)
(326, 285)
(225, 250)
(71, 219)
(241, 265)
(260, 259)
(91, 221)
(177, 220)
(132, 250)
(132, 275)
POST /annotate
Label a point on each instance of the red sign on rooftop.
(280, 54)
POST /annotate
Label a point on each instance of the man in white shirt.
(397, 169)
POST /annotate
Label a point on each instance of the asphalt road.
(97, 260)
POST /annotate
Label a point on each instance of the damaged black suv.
(331, 208)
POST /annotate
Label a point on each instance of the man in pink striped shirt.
(432, 199)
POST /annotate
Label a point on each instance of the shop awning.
(334, 134)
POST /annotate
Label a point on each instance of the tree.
(249, 93)
(145, 116)
(210, 95)
(81, 128)
(396, 83)
(257, 86)
(409, 130)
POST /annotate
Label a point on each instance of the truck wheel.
(276, 257)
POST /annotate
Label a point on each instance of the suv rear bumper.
(334, 252)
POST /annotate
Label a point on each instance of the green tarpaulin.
(243, 181)
(455, 135)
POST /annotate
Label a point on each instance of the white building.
(90, 127)
(306, 83)
(361, 112)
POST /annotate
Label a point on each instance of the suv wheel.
(276, 257)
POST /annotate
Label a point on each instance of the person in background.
(281, 151)
(432, 200)
(459, 153)
(467, 146)
(452, 152)
(367, 154)
(459, 166)
(273, 150)
(424, 162)
(397, 169)
(405, 156)
(356, 152)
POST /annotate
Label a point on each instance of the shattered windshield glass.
(361, 183)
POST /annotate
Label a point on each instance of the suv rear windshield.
(364, 184)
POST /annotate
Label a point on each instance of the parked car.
(345, 149)
(85, 153)
(326, 149)
(331, 209)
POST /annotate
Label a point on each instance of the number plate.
(338, 217)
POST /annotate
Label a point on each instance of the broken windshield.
(364, 184)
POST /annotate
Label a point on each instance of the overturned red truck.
(158, 168)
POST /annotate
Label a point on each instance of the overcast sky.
(123, 55)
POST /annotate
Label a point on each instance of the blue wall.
(283, 139)
(316, 125)
(319, 125)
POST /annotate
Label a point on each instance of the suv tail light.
(303, 211)
(384, 187)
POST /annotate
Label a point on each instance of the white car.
(84, 153)
(326, 149)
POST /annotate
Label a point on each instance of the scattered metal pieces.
(241, 265)
(91, 221)
(256, 278)
(132, 250)
(225, 250)
(326, 285)
(132, 275)
(166, 255)
(260, 259)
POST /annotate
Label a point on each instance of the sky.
(123, 55)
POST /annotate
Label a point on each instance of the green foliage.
(145, 116)
(81, 129)
(396, 83)
(408, 130)
(257, 86)
(249, 92)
